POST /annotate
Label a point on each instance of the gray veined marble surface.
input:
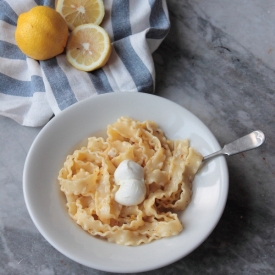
(218, 61)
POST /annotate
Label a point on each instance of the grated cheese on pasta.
(87, 180)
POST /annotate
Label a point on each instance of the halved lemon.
(79, 12)
(88, 47)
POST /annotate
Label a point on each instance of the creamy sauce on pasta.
(87, 180)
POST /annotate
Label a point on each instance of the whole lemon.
(41, 33)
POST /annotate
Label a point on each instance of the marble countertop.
(218, 61)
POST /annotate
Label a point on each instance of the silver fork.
(248, 142)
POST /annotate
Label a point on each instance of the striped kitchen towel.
(32, 91)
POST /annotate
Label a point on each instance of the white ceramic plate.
(71, 128)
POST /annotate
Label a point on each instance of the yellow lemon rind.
(46, 27)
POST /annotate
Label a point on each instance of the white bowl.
(71, 128)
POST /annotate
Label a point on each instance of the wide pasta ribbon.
(87, 180)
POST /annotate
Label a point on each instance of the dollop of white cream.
(130, 176)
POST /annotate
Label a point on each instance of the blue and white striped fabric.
(31, 91)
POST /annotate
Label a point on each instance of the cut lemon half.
(88, 47)
(79, 12)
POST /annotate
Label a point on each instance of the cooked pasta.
(87, 180)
